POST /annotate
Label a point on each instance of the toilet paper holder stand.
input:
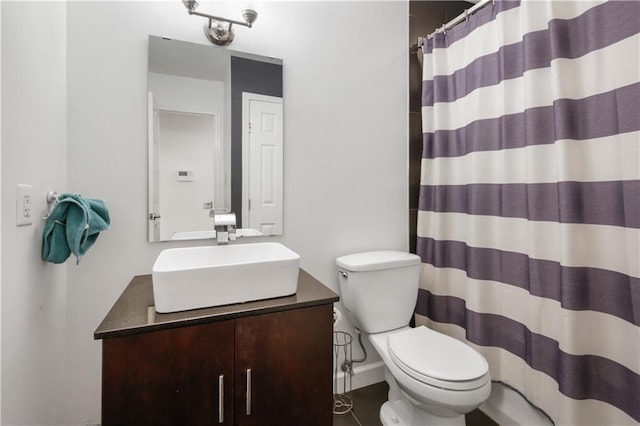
(342, 373)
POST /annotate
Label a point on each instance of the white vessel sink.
(200, 277)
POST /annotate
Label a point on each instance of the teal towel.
(72, 227)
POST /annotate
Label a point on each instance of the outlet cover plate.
(23, 205)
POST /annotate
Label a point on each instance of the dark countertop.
(134, 311)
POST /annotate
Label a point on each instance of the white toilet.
(433, 379)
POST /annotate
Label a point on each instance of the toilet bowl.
(433, 379)
(440, 377)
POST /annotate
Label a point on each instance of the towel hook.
(52, 197)
(52, 200)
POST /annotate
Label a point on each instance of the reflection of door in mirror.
(262, 177)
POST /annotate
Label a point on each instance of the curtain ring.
(466, 15)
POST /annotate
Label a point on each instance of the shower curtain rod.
(455, 21)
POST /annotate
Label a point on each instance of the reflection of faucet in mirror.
(224, 225)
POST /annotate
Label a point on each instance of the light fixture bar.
(217, 18)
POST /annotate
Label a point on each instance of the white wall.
(345, 91)
(33, 152)
(346, 109)
(174, 93)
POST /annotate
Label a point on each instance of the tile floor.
(366, 408)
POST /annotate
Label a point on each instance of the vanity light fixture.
(218, 30)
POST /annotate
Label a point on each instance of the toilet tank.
(379, 289)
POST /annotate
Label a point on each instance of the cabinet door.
(169, 377)
(288, 356)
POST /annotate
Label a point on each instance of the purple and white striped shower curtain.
(529, 211)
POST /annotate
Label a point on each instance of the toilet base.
(401, 413)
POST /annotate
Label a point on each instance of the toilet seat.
(437, 360)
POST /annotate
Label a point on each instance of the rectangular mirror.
(215, 138)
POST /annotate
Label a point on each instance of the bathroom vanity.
(267, 362)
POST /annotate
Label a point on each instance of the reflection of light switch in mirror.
(184, 175)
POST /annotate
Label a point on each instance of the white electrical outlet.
(23, 205)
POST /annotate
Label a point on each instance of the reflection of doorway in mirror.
(153, 170)
(186, 154)
(262, 152)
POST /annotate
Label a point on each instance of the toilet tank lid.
(376, 260)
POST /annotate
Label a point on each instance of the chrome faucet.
(224, 225)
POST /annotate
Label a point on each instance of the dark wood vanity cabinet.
(169, 377)
(266, 369)
(290, 357)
